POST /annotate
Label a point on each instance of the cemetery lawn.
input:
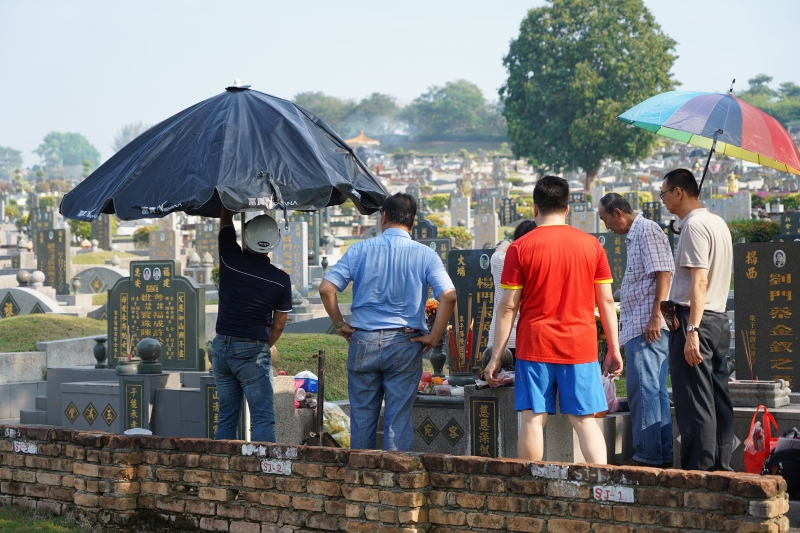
(15, 519)
(296, 353)
(21, 333)
(98, 258)
(100, 298)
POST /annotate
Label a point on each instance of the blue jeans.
(243, 368)
(383, 365)
(648, 399)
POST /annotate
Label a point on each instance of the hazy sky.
(92, 66)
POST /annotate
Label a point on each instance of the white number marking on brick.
(25, 447)
(274, 466)
(613, 493)
(550, 471)
(12, 433)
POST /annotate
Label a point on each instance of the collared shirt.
(705, 242)
(648, 254)
(390, 275)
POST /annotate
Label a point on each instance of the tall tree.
(374, 114)
(10, 160)
(458, 107)
(577, 65)
(329, 108)
(127, 133)
(67, 149)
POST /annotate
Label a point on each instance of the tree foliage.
(753, 230)
(80, 228)
(127, 133)
(783, 104)
(10, 160)
(67, 149)
(331, 109)
(439, 202)
(460, 234)
(375, 114)
(576, 66)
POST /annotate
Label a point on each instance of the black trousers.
(703, 408)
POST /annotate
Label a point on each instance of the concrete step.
(794, 514)
(35, 416)
(41, 403)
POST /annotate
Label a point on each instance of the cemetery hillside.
(525, 268)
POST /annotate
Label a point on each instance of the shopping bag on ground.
(759, 441)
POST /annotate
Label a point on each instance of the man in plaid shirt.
(643, 331)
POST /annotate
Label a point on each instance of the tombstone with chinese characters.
(156, 301)
(508, 211)
(41, 219)
(103, 232)
(790, 223)
(617, 254)
(459, 211)
(53, 258)
(652, 211)
(314, 222)
(292, 254)
(164, 245)
(766, 328)
(414, 191)
(423, 229)
(633, 199)
(206, 239)
(584, 218)
(577, 198)
(441, 246)
(485, 230)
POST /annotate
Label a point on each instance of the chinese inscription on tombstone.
(164, 245)
(207, 238)
(101, 230)
(484, 426)
(440, 246)
(582, 217)
(577, 197)
(423, 229)
(767, 331)
(485, 230)
(53, 258)
(134, 394)
(508, 211)
(459, 211)
(617, 254)
(292, 254)
(157, 302)
(471, 272)
(652, 211)
(41, 219)
(313, 220)
(790, 224)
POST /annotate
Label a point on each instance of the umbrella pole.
(713, 149)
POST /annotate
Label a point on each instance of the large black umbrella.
(242, 148)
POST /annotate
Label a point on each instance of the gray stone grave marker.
(486, 205)
(207, 238)
(156, 301)
(102, 231)
(440, 246)
(292, 254)
(423, 229)
(471, 272)
(314, 226)
(485, 230)
(584, 218)
(459, 211)
(508, 211)
(53, 258)
(164, 245)
(765, 274)
(617, 253)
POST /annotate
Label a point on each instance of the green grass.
(346, 296)
(21, 333)
(98, 258)
(15, 519)
(100, 298)
(296, 353)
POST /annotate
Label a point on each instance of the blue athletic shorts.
(578, 386)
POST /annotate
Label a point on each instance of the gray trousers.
(703, 408)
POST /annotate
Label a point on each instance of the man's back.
(390, 275)
(556, 267)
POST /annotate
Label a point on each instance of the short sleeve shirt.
(556, 268)
(250, 290)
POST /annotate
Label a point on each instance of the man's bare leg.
(593, 444)
(530, 445)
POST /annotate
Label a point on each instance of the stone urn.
(149, 351)
(324, 263)
(127, 367)
(437, 358)
(76, 286)
(100, 352)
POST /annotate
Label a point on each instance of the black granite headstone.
(617, 253)
(206, 238)
(484, 427)
(53, 258)
(102, 231)
(633, 199)
(471, 272)
(157, 302)
(423, 229)
(508, 211)
(314, 225)
(671, 237)
(652, 211)
(440, 246)
(767, 331)
(41, 219)
(577, 197)
(790, 224)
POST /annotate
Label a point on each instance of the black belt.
(402, 330)
(230, 338)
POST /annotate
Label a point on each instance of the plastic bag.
(610, 390)
(759, 441)
(305, 386)
(336, 424)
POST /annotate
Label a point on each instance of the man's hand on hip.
(428, 341)
(346, 331)
(652, 332)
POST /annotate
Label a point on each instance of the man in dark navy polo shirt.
(254, 299)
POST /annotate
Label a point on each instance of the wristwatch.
(691, 327)
(339, 324)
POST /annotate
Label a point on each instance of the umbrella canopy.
(242, 148)
(742, 131)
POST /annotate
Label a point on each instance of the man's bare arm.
(652, 331)
(608, 317)
(504, 320)
(327, 293)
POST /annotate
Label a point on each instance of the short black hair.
(551, 195)
(522, 228)
(683, 178)
(400, 208)
(613, 201)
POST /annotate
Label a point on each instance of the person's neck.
(553, 219)
(397, 226)
(687, 207)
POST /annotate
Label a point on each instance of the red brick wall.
(169, 484)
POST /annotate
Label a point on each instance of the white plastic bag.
(336, 424)
(611, 393)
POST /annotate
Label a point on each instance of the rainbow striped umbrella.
(718, 122)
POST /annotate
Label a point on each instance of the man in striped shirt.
(642, 329)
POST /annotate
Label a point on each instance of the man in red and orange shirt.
(553, 276)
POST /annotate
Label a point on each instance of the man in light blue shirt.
(388, 334)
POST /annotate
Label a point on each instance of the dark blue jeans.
(383, 366)
(243, 368)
